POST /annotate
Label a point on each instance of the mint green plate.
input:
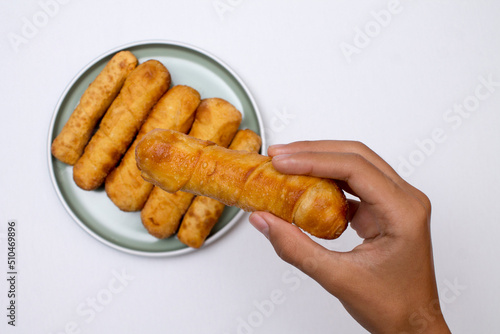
(93, 210)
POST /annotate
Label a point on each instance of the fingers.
(295, 247)
(363, 221)
(337, 146)
(366, 180)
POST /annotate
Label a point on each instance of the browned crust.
(119, 126)
(69, 144)
(204, 212)
(176, 111)
(316, 205)
(216, 121)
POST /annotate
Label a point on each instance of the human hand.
(386, 282)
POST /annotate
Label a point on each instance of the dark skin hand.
(387, 283)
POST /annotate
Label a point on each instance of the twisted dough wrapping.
(119, 126)
(175, 110)
(204, 212)
(175, 161)
(216, 120)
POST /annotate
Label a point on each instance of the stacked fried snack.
(204, 212)
(129, 101)
(216, 120)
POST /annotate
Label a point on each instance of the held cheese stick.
(204, 212)
(141, 90)
(216, 120)
(69, 144)
(175, 161)
(175, 110)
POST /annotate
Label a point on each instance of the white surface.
(394, 92)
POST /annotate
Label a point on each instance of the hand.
(387, 283)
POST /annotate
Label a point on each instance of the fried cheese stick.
(141, 90)
(175, 111)
(69, 144)
(204, 212)
(175, 161)
(216, 120)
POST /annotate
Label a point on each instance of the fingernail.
(281, 157)
(260, 224)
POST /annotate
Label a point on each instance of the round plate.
(93, 210)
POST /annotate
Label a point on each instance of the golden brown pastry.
(175, 111)
(141, 90)
(69, 144)
(204, 212)
(175, 161)
(163, 212)
(216, 120)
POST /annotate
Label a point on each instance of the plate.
(93, 210)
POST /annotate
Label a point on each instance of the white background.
(392, 94)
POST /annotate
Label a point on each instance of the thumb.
(295, 247)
